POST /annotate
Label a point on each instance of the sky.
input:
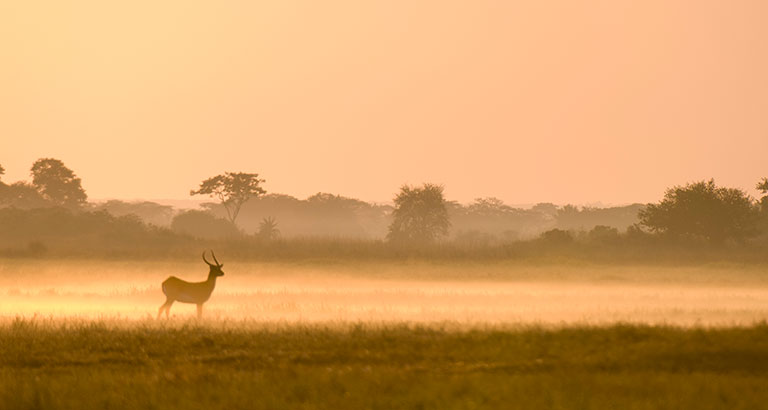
(529, 101)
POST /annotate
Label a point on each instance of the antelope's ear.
(221, 266)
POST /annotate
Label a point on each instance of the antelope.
(176, 289)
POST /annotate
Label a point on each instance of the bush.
(203, 225)
(603, 234)
(557, 237)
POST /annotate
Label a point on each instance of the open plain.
(419, 292)
(82, 334)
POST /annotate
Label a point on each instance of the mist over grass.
(414, 291)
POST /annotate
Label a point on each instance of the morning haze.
(346, 204)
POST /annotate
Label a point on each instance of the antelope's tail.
(165, 291)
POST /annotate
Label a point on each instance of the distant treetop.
(703, 210)
(420, 215)
(762, 185)
(57, 183)
(232, 189)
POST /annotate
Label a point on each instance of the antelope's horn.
(214, 258)
(206, 261)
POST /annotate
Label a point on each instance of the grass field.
(80, 334)
(52, 364)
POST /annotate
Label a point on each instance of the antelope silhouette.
(182, 291)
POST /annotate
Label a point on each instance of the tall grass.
(190, 365)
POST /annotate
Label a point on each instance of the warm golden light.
(608, 101)
(430, 204)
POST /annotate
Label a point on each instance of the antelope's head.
(215, 267)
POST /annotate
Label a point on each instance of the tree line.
(697, 213)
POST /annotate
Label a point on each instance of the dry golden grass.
(71, 364)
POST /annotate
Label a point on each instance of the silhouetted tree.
(420, 214)
(233, 189)
(566, 215)
(763, 187)
(268, 229)
(23, 196)
(546, 208)
(57, 183)
(489, 206)
(703, 210)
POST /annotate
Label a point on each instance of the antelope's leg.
(199, 310)
(163, 306)
(168, 309)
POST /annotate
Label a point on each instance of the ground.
(55, 364)
(78, 334)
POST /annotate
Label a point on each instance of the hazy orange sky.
(561, 101)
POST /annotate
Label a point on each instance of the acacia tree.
(703, 210)
(232, 189)
(57, 183)
(420, 215)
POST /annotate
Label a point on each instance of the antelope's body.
(177, 290)
(189, 292)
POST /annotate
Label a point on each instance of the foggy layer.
(305, 293)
